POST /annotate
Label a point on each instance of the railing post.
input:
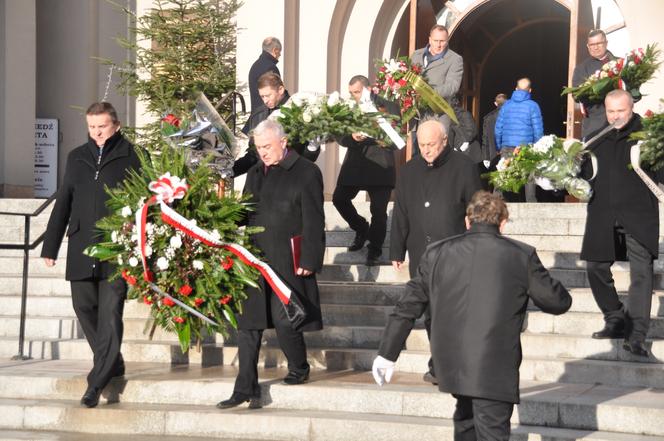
(24, 290)
(234, 110)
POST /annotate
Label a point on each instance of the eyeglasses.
(601, 43)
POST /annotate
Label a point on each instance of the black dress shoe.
(636, 347)
(358, 242)
(610, 331)
(236, 399)
(294, 378)
(91, 397)
(373, 256)
(429, 377)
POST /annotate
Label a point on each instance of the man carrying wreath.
(287, 191)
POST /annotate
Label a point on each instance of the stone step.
(49, 435)
(36, 400)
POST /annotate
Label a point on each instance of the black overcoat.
(430, 203)
(289, 202)
(81, 202)
(477, 285)
(265, 63)
(619, 195)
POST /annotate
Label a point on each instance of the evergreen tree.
(191, 48)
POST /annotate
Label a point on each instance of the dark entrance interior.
(502, 41)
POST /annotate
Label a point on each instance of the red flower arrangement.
(392, 85)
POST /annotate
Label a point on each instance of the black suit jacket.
(81, 202)
(477, 285)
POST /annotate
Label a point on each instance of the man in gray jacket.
(442, 68)
(477, 286)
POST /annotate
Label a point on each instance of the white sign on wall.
(46, 157)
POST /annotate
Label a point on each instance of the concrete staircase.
(573, 387)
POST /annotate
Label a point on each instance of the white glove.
(382, 370)
(486, 163)
(544, 183)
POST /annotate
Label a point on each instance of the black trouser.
(99, 305)
(379, 198)
(637, 314)
(249, 345)
(478, 419)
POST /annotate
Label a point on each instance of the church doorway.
(501, 41)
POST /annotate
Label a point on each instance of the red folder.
(296, 251)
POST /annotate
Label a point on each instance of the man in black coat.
(477, 286)
(367, 166)
(105, 160)
(274, 95)
(489, 150)
(432, 193)
(266, 62)
(594, 114)
(622, 224)
(287, 191)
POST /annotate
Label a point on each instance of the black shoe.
(373, 256)
(358, 242)
(611, 331)
(294, 378)
(429, 377)
(636, 347)
(91, 397)
(236, 399)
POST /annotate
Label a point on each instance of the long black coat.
(81, 202)
(595, 111)
(289, 202)
(477, 285)
(619, 195)
(488, 135)
(265, 63)
(447, 186)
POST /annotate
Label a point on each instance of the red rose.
(416, 68)
(129, 278)
(227, 263)
(383, 69)
(611, 74)
(185, 290)
(402, 82)
(649, 113)
(225, 299)
(168, 302)
(178, 319)
(620, 63)
(198, 301)
(408, 103)
(637, 60)
(172, 120)
(147, 300)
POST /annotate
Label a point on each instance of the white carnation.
(501, 164)
(120, 261)
(197, 264)
(126, 211)
(544, 144)
(114, 237)
(175, 242)
(306, 117)
(333, 99)
(162, 263)
(133, 261)
(148, 250)
(315, 110)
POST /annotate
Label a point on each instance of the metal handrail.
(232, 118)
(26, 247)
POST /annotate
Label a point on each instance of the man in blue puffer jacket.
(519, 120)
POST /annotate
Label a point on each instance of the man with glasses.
(594, 112)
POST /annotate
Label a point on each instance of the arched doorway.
(501, 41)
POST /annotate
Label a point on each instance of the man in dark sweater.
(594, 112)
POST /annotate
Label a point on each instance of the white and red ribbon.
(169, 188)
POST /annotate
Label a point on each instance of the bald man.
(622, 224)
(432, 192)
